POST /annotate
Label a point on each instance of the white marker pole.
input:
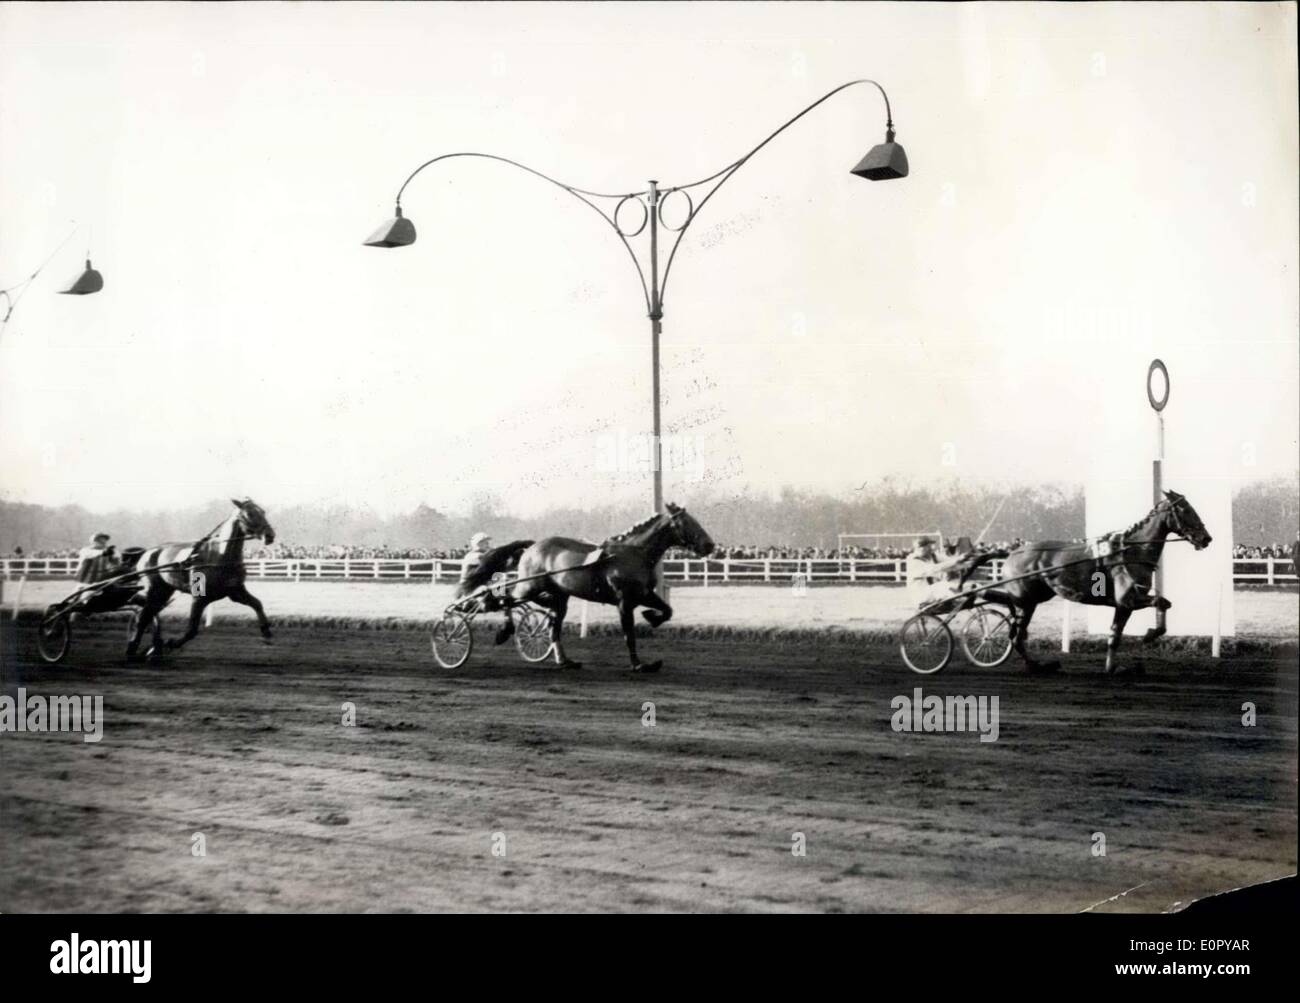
(18, 595)
(582, 628)
(1065, 628)
(1217, 640)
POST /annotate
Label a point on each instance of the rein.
(1045, 571)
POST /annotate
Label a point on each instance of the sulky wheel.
(925, 643)
(54, 635)
(453, 639)
(986, 637)
(533, 634)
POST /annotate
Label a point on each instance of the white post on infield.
(1065, 628)
(18, 595)
(1216, 642)
(1158, 400)
(582, 625)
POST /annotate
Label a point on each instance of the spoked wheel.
(986, 637)
(533, 634)
(925, 643)
(453, 640)
(54, 635)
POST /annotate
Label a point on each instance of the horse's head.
(252, 520)
(687, 532)
(1182, 519)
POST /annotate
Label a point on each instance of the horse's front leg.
(241, 595)
(1159, 630)
(197, 606)
(659, 612)
(627, 604)
(1122, 613)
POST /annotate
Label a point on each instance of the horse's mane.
(632, 529)
(1154, 509)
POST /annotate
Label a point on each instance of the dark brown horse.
(1115, 570)
(619, 572)
(211, 569)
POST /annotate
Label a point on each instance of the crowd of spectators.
(1242, 552)
(282, 551)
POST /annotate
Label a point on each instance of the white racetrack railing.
(696, 571)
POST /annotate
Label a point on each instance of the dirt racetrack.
(752, 743)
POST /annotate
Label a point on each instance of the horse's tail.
(496, 560)
(981, 559)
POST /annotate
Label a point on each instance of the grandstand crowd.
(290, 552)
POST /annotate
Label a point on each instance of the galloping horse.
(1116, 571)
(619, 572)
(211, 569)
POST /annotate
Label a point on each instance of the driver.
(479, 545)
(96, 559)
(927, 575)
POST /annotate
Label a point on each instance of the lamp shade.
(885, 161)
(90, 281)
(396, 232)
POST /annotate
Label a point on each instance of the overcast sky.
(1083, 177)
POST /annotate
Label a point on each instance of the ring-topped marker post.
(1158, 397)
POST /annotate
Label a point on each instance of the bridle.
(1177, 525)
(239, 522)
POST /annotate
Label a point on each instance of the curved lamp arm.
(581, 194)
(726, 172)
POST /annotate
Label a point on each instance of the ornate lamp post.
(883, 162)
(89, 281)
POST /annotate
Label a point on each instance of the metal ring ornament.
(645, 217)
(1157, 405)
(690, 210)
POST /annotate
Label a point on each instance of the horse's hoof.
(569, 663)
(503, 634)
(648, 666)
(268, 639)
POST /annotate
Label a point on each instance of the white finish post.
(1217, 639)
(1065, 628)
(582, 624)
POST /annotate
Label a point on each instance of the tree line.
(1264, 512)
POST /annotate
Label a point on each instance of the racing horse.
(210, 569)
(619, 572)
(1116, 570)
